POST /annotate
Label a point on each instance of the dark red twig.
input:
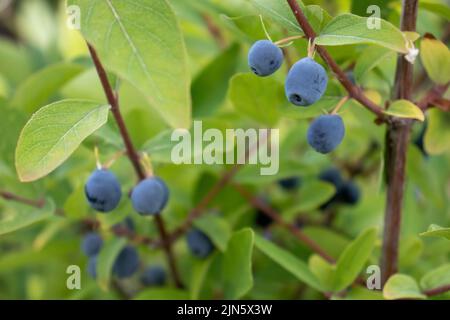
(354, 91)
(275, 216)
(437, 291)
(133, 156)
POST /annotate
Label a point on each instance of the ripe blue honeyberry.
(154, 276)
(306, 82)
(349, 193)
(264, 58)
(290, 183)
(127, 262)
(92, 267)
(326, 133)
(92, 244)
(103, 191)
(199, 244)
(150, 196)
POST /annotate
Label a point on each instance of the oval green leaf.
(437, 134)
(435, 58)
(288, 261)
(437, 231)
(20, 216)
(141, 41)
(352, 29)
(106, 259)
(35, 91)
(401, 286)
(250, 95)
(353, 259)
(237, 264)
(54, 133)
(436, 278)
(405, 109)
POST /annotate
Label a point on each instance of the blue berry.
(290, 183)
(127, 262)
(306, 82)
(154, 276)
(199, 244)
(92, 267)
(150, 196)
(349, 193)
(351, 77)
(92, 244)
(333, 176)
(326, 133)
(103, 191)
(264, 58)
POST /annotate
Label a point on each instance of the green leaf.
(437, 8)
(280, 12)
(435, 58)
(437, 231)
(237, 264)
(401, 286)
(437, 134)
(210, 87)
(351, 29)
(353, 259)
(199, 272)
(21, 216)
(288, 261)
(312, 195)
(141, 41)
(36, 90)
(106, 259)
(436, 277)
(405, 109)
(54, 133)
(331, 241)
(258, 98)
(323, 270)
(216, 228)
(410, 251)
(369, 59)
(15, 61)
(162, 294)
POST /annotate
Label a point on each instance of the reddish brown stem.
(354, 91)
(213, 192)
(275, 216)
(433, 95)
(437, 291)
(29, 202)
(132, 154)
(397, 140)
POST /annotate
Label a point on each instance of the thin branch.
(275, 216)
(215, 31)
(200, 208)
(132, 155)
(16, 198)
(114, 102)
(396, 147)
(437, 291)
(432, 95)
(354, 91)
